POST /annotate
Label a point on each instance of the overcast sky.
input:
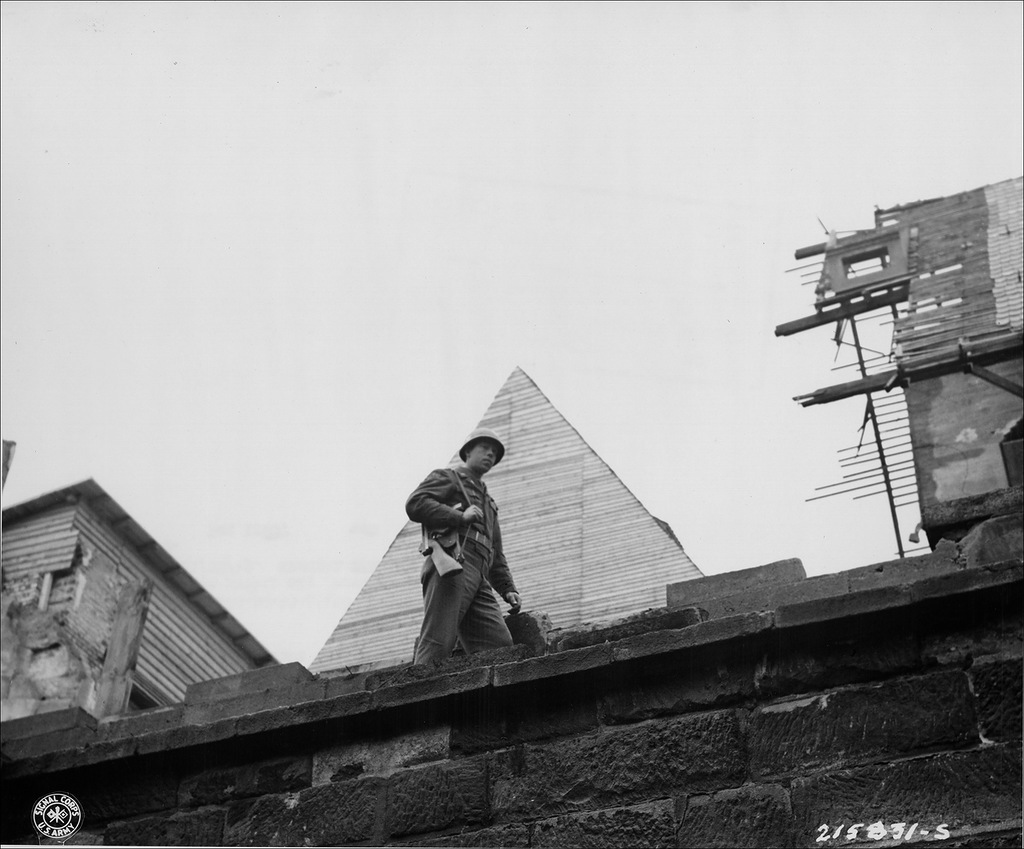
(265, 264)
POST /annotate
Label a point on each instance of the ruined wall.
(757, 708)
(958, 423)
(52, 658)
(965, 302)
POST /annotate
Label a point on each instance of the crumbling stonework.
(56, 638)
(885, 695)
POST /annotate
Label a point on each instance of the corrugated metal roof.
(581, 547)
(52, 542)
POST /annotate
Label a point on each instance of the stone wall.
(758, 708)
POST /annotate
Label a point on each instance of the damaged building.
(945, 275)
(98, 616)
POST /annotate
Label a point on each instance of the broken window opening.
(865, 263)
(138, 700)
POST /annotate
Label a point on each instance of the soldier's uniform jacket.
(438, 504)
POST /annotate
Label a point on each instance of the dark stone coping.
(279, 699)
(957, 518)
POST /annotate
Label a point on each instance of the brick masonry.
(758, 716)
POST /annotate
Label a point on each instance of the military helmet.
(476, 436)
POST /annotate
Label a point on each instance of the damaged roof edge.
(178, 577)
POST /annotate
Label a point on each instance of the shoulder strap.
(458, 480)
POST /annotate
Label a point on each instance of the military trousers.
(460, 607)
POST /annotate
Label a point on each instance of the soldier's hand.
(515, 601)
(473, 514)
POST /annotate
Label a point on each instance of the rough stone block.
(990, 576)
(529, 712)
(997, 688)
(994, 541)
(696, 592)
(862, 723)
(381, 757)
(55, 743)
(346, 705)
(242, 704)
(954, 519)
(251, 682)
(650, 825)
(432, 798)
(552, 709)
(195, 828)
(202, 734)
(712, 677)
(1006, 837)
(552, 665)
(214, 786)
(771, 596)
(511, 836)
(336, 814)
(964, 790)
(619, 766)
(342, 683)
(956, 643)
(757, 816)
(124, 791)
(703, 633)
(907, 570)
(432, 687)
(144, 722)
(399, 676)
(69, 719)
(644, 623)
(341, 814)
(801, 666)
(480, 722)
(530, 629)
(839, 607)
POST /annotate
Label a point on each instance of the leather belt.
(479, 538)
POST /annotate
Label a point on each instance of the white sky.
(265, 264)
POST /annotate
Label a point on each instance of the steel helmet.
(476, 436)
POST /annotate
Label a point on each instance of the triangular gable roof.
(581, 547)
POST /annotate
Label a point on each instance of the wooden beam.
(996, 380)
(44, 590)
(115, 682)
(846, 308)
(874, 383)
(810, 250)
(968, 362)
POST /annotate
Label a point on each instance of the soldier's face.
(482, 456)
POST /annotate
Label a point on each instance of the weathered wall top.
(752, 709)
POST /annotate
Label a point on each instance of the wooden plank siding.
(179, 644)
(1006, 250)
(971, 313)
(44, 543)
(977, 302)
(581, 546)
(187, 636)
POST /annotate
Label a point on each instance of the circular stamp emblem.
(57, 816)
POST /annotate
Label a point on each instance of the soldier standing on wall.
(463, 555)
